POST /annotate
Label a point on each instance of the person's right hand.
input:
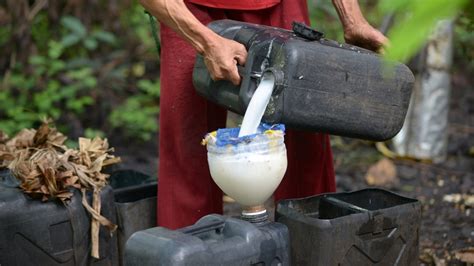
(221, 57)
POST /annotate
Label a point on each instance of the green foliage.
(83, 76)
(41, 32)
(138, 114)
(5, 33)
(77, 34)
(324, 18)
(138, 21)
(92, 133)
(415, 20)
(36, 91)
(464, 40)
(39, 94)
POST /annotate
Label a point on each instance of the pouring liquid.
(251, 177)
(258, 104)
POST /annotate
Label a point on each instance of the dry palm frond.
(48, 169)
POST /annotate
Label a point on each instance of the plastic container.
(213, 240)
(320, 85)
(250, 169)
(135, 202)
(48, 233)
(366, 227)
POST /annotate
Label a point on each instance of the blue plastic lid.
(226, 136)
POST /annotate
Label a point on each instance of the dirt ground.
(446, 227)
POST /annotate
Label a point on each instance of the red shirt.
(237, 4)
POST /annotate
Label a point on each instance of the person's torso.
(237, 5)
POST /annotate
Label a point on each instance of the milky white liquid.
(248, 178)
(257, 105)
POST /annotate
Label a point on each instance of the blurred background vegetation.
(93, 67)
(90, 65)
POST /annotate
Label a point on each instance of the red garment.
(237, 5)
(186, 191)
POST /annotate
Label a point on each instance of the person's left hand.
(365, 36)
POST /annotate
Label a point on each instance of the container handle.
(199, 229)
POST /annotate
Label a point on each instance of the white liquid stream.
(258, 104)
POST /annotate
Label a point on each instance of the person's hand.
(365, 36)
(221, 57)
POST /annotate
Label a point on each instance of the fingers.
(239, 58)
(234, 76)
(366, 37)
(223, 71)
(380, 41)
(222, 63)
(241, 54)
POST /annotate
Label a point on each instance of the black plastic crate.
(50, 233)
(135, 201)
(366, 227)
(213, 240)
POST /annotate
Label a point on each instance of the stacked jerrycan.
(33, 232)
(323, 86)
(47, 233)
(366, 227)
(213, 240)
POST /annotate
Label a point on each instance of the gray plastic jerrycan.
(320, 85)
(213, 240)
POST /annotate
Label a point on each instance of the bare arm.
(357, 30)
(220, 55)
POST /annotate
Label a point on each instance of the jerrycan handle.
(204, 228)
(241, 70)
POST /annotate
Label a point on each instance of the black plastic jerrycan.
(365, 227)
(33, 232)
(321, 85)
(213, 240)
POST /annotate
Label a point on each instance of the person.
(186, 191)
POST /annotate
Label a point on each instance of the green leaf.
(137, 116)
(55, 49)
(104, 36)
(71, 144)
(20, 80)
(77, 105)
(74, 25)
(37, 60)
(90, 82)
(5, 34)
(409, 35)
(55, 67)
(70, 40)
(90, 44)
(80, 73)
(42, 101)
(92, 133)
(149, 87)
